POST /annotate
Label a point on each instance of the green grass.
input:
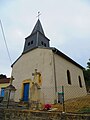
(84, 110)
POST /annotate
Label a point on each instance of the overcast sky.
(65, 22)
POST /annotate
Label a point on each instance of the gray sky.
(65, 22)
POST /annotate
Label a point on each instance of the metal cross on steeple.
(38, 14)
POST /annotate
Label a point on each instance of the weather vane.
(38, 14)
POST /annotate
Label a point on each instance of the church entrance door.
(26, 92)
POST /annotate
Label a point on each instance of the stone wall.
(2, 115)
(43, 115)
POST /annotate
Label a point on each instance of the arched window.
(68, 77)
(80, 82)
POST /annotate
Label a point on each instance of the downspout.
(55, 101)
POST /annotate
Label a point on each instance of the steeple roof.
(36, 38)
(38, 27)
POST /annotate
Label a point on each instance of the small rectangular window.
(31, 42)
(41, 42)
(45, 44)
(28, 43)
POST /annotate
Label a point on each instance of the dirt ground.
(74, 105)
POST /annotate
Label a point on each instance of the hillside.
(81, 104)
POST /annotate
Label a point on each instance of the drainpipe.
(55, 76)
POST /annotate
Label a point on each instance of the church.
(43, 73)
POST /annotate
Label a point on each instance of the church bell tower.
(37, 38)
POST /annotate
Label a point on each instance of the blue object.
(2, 92)
(26, 92)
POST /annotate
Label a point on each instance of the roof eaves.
(16, 60)
(66, 57)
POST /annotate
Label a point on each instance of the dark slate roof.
(38, 27)
(4, 80)
(56, 51)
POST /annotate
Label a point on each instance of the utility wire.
(5, 42)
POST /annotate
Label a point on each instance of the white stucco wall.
(42, 60)
(73, 90)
